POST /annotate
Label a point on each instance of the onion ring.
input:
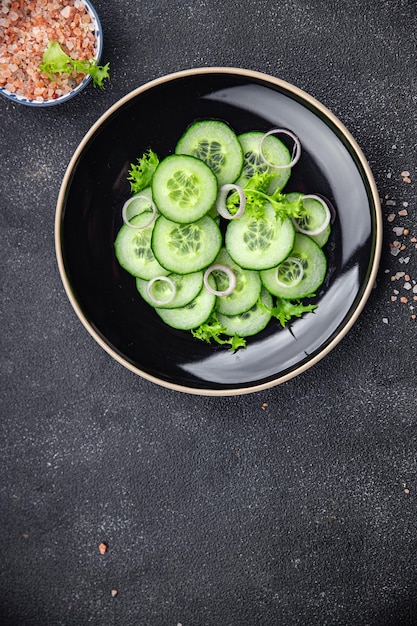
(296, 153)
(227, 270)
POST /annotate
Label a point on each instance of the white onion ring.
(326, 219)
(221, 201)
(165, 279)
(129, 202)
(297, 262)
(223, 268)
(296, 153)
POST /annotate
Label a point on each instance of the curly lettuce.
(56, 61)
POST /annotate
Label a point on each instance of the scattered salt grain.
(403, 212)
(66, 12)
(385, 320)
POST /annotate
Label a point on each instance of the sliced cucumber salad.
(216, 246)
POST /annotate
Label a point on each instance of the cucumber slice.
(133, 250)
(274, 150)
(312, 219)
(186, 248)
(258, 243)
(187, 287)
(251, 322)
(194, 313)
(216, 144)
(184, 188)
(247, 290)
(314, 264)
(322, 238)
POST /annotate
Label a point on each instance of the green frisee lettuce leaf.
(255, 190)
(56, 61)
(285, 310)
(212, 329)
(141, 172)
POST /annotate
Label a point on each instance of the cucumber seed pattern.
(183, 189)
(223, 280)
(290, 271)
(185, 239)
(211, 153)
(161, 290)
(303, 260)
(142, 246)
(253, 164)
(258, 235)
(305, 221)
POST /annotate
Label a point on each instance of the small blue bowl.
(98, 32)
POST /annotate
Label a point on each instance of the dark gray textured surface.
(294, 506)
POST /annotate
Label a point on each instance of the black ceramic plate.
(89, 216)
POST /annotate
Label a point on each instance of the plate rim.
(306, 98)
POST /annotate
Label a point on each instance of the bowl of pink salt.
(49, 50)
